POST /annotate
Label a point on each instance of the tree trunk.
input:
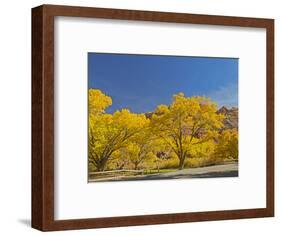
(136, 166)
(102, 163)
(181, 163)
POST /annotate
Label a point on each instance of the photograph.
(153, 117)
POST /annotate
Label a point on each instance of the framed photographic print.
(143, 117)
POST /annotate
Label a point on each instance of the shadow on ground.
(26, 222)
(183, 176)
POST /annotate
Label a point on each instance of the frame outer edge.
(42, 119)
(270, 117)
(48, 103)
(37, 154)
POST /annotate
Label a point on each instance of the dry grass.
(192, 162)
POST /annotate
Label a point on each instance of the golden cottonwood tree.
(188, 121)
(141, 149)
(227, 145)
(135, 154)
(109, 132)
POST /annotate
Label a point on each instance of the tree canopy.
(187, 128)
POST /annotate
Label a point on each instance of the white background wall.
(15, 116)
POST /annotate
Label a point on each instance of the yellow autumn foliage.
(186, 123)
(227, 145)
(187, 133)
(98, 101)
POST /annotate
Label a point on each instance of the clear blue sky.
(141, 82)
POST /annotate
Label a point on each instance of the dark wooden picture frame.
(43, 117)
